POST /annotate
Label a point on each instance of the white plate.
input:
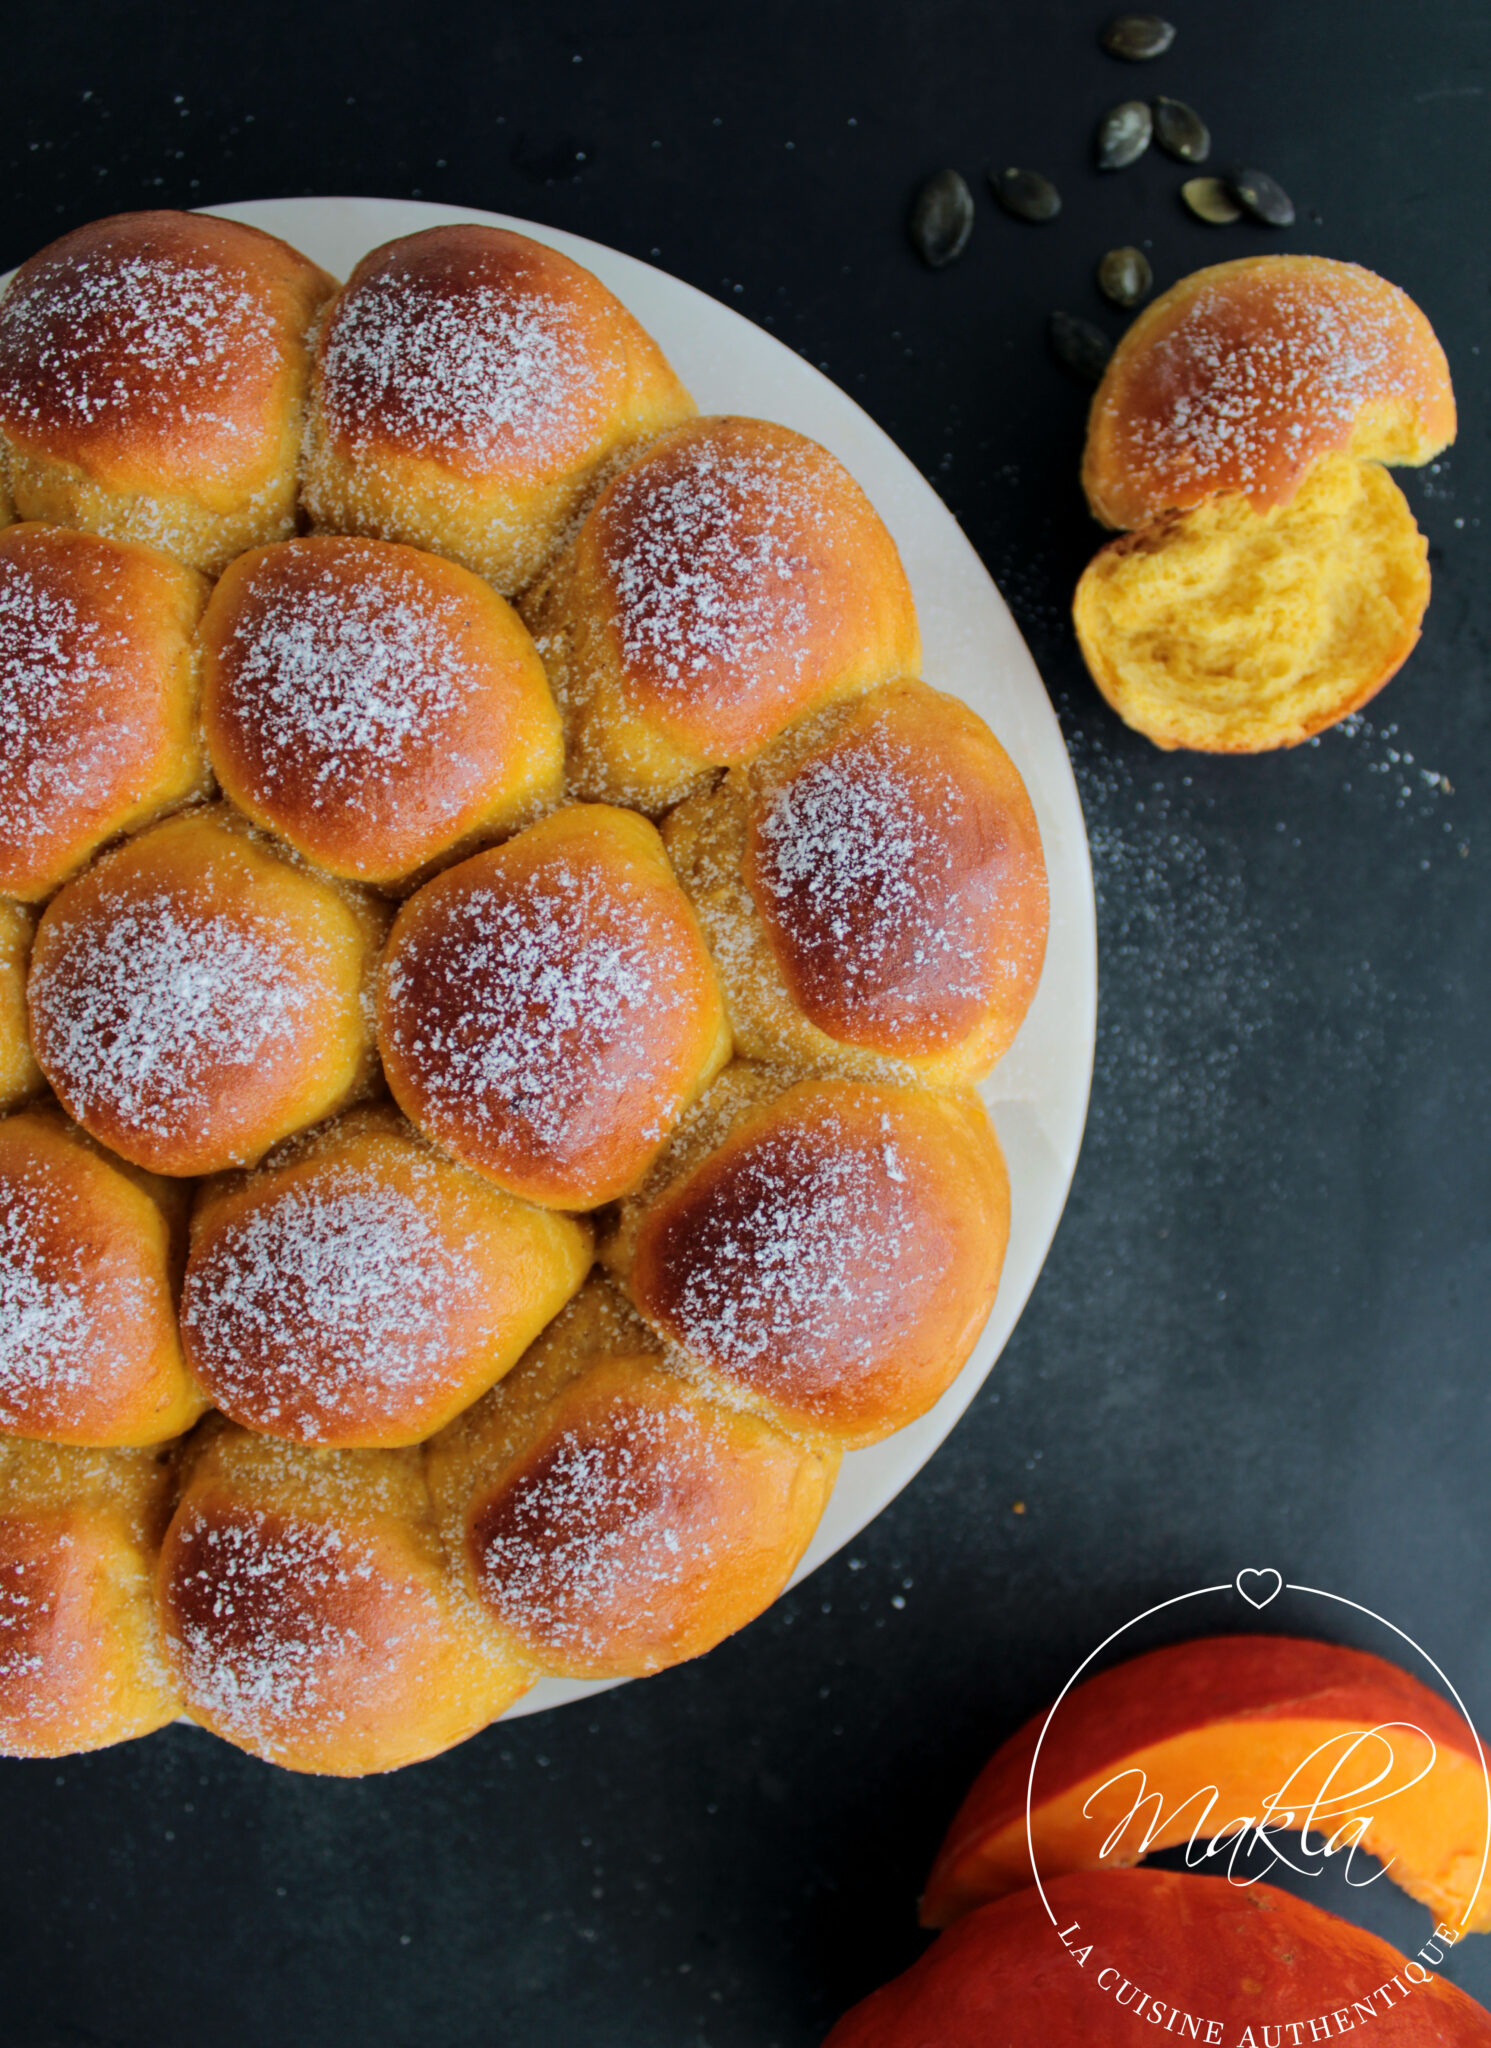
(1038, 1092)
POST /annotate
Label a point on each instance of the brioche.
(730, 579)
(20, 1076)
(91, 1251)
(309, 1614)
(548, 1011)
(1242, 376)
(613, 1517)
(98, 698)
(1275, 579)
(81, 1657)
(195, 997)
(828, 1251)
(359, 1288)
(379, 708)
(470, 387)
(873, 889)
(153, 371)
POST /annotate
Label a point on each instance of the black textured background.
(1261, 1336)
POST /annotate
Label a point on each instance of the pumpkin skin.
(1221, 1963)
(1240, 1714)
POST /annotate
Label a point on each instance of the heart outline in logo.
(1266, 1573)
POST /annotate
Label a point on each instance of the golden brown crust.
(615, 1518)
(729, 580)
(1232, 631)
(1243, 375)
(196, 329)
(380, 708)
(873, 889)
(833, 1258)
(309, 1614)
(91, 1252)
(548, 1011)
(20, 1076)
(98, 698)
(360, 1289)
(81, 1661)
(470, 387)
(195, 997)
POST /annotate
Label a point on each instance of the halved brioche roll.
(1234, 631)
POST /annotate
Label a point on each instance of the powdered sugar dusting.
(1240, 387)
(800, 1260)
(53, 1340)
(149, 1004)
(339, 686)
(858, 859)
(266, 1615)
(535, 1016)
(477, 372)
(88, 338)
(331, 1294)
(591, 1539)
(63, 722)
(706, 556)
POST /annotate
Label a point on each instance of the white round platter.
(1037, 1094)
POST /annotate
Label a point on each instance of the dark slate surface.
(1261, 1334)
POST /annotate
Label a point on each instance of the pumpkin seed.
(1211, 199)
(1081, 347)
(1263, 197)
(1123, 135)
(1181, 130)
(1124, 276)
(1138, 36)
(942, 219)
(1026, 194)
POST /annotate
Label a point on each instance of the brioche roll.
(470, 387)
(309, 1613)
(360, 1289)
(81, 1658)
(20, 1076)
(1232, 631)
(828, 1251)
(195, 997)
(378, 707)
(613, 1517)
(548, 1011)
(91, 1251)
(98, 698)
(153, 370)
(1241, 377)
(732, 578)
(873, 889)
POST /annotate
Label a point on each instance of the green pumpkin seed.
(1181, 130)
(1080, 347)
(1211, 199)
(1263, 197)
(1026, 194)
(1138, 36)
(942, 219)
(1123, 135)
(1124, 276)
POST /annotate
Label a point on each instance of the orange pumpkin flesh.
(1221, 1963)
(1240, 1714)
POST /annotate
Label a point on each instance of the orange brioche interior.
(1233, 631)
